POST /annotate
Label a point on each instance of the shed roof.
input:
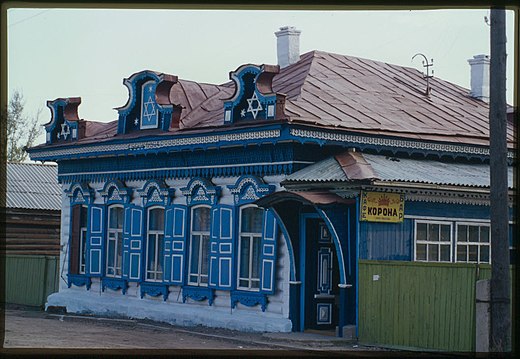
(342, 92)
(33, 186)
(392, 169)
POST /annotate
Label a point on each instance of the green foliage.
(22, 130)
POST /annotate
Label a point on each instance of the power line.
(28, 18)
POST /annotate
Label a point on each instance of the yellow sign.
(382, 207)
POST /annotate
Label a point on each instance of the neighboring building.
(33, 209)
(350, 159)
(32, 243)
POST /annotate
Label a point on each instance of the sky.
(87, 53)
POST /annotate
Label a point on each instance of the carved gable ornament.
(254, 98)
(80, 193)
(116, 192)
(201, 191)
(149, 105)
(248, 189)
(65, 125)
(156, 193)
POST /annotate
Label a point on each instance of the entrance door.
(321, 277)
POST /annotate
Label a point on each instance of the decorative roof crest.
(254, 98)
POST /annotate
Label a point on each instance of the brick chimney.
(480, 77)
(288, 45)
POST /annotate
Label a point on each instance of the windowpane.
(116, 217)
(462, 233)
(462, 252)
(484, 234)
(244, 257)
(195, 247)
(445, 253)
(256, 258)
(484, 254)
(473, 253)
(445, 233)
(433, 232)
(421, 252)
(83, 240)
(251, 218)
(201, 219)
(421, 231)
(204, 267)
(160, 247)
(433, 252)
(83, 217)
(156, 219)
(110, 259)
(151, 252)
(119, 256)
(473, 233)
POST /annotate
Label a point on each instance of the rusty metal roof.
(392, 169)
(33, 186)
(343, 92)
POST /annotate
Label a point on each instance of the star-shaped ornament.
(136, 121)
(65, 131)
(149, 110)
(243, 113)
(250, 108)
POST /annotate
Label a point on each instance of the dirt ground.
(30, 329)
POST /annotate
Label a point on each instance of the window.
(473, 244)
(199, 246)
(433, 241)
(249, 247)
(78, 245)
(155, 243)
(114, 241)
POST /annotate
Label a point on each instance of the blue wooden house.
(248, 205)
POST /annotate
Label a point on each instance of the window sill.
(198, 294)
(79, 280)
(154, 289)
(249, 299)
(114, 284)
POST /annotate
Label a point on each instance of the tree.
(22, 130)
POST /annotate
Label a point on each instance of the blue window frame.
(199, 246)
(114, 241)
(155, 244)
(250, 248)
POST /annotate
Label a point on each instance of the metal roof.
(33, 186)
(392, 169)
(343, 92)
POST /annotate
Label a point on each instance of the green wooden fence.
(418, 305)
(30, 279)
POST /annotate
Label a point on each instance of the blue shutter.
(94, 245)
(133, 243)
(221, 274)
(269, 248)
(175, 232)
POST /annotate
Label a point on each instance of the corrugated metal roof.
(432, 172)
(33, 186)
(327, 170)
(391, 169)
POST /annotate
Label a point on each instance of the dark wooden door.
(321, 277)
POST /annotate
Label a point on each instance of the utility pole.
(500, 333)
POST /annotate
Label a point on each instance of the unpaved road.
(37, 329)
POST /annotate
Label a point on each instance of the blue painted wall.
(394, 241)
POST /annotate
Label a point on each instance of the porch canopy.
(335, 212)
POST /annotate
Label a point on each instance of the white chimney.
(288, 45)
(480, 77)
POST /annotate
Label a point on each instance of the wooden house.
(253, 204)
